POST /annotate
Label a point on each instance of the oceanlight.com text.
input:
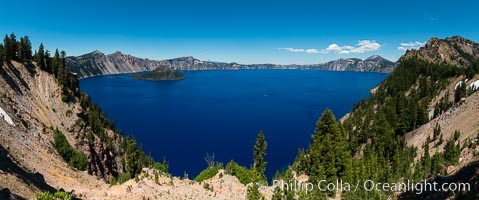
(369, 185)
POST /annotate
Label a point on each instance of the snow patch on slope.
(5, 116)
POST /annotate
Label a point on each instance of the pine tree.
(13, 46)
(2, 55)
(252, 192)
(259, 152)
(321, 151)
(40, 58)
(56, 63)
(25, 48)
(329, 151)
(133, 162)
(301, 163)
(48, 61)
(6, 44)
(461, 91)
(436, 131)
(426, 159)
(62, 70)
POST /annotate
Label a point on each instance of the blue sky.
(243, 31)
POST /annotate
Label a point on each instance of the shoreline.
(92, 76)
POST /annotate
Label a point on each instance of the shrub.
(62, 195)
(90, 138)
(45, 196)
(244, 175)
(73, 157)
(209, 172)
(69, 113)
(65, 98)
(57, 195)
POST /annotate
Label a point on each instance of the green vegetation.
(2, 54)
(370, 144)
(160, 74)
(443, 105)
(74, 158)
(452, 150)
(120, 179)
(252, 192)
(209, 172)
(134, 157)
(329, 152)
(58, 195)
(243, 174)
(13, 49)
(259, 162)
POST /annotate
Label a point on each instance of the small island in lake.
(160, 74)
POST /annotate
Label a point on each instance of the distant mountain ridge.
(97, 63)
(454, 50)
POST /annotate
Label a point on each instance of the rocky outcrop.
(97, 63)
(33, 100)
(455, 50)
(374, 63)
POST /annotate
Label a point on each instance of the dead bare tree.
(210, 160)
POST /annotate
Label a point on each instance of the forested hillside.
(370, 143)
(37, 87)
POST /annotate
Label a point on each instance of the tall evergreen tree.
(13, 46)
(426, 159)
(25, 48)
(62, 70)
(48, 61)
(259, 151)
(2, 55)
(7, 45)
(329, 151)
(56, 63)
(133, 162)
(40, 58)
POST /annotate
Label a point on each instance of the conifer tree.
(426, 159)
(62, 70)
(25, 48)
(133, 162)
(48, 61)
(2, 55)
(56, 63)
(40, 58)
(6, 44)
(13, 46)
(252, 192)
(329, 152)
(259, 151)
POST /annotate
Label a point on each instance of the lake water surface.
(221, 112)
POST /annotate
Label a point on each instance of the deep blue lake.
(221, 112)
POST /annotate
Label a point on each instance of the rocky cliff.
(455, 50)
(32, 105)
(374, 63)
(97, 63)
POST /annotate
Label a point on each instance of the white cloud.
(410, 45)
(362, 47)
(366, 46)
(333, 47)
(312, 51)
(292, 49)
